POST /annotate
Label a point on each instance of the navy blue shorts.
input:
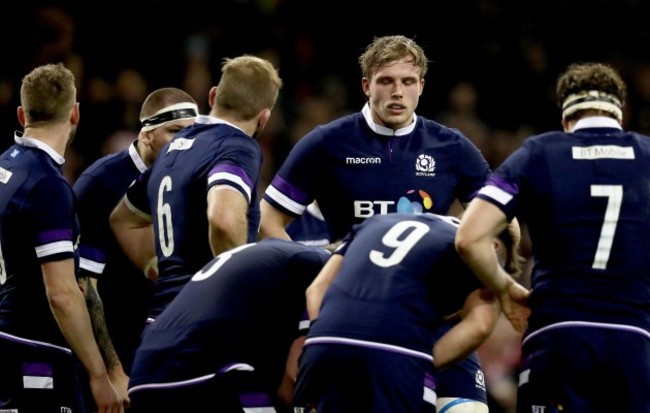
(336, 378)
(38, 377)
(224, 393)
(585, 369)
(462, 380)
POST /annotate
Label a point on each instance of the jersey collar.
(597, 122)
(135, 157)
(35, 143)
(382, 130)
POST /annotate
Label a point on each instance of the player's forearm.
(273, 223)
(134, 234)
(317, 289)
(228, 234)
(479, 317)
(272, 231)
(69, 309)
(458, 343)
(137, 244)
(482, 260)
(481, 223)
(98, 322)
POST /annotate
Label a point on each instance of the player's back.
(400, 275)
(177, 190)
(243, 306)
(586, 195)
(24, 309)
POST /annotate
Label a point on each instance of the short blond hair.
(388, 49)
(48, 94)
(248, 85)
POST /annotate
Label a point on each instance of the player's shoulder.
(107, 163)
(438, 131)
(443, 221)
(341, 127)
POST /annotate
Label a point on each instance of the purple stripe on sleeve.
(93, 254)
(290, 191)
(232, 169)
(429, 381)
(255, 400)
(502, 184)
(38, 369)
(54, 235)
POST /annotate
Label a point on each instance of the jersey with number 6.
(586, 199)
(401, 274)
(174, 192)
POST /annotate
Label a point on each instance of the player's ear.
(21, 116)
(365, 85)
(74, 115)
(212, 96)
(265, 115)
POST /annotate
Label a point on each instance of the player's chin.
(397, 119)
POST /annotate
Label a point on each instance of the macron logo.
(355, 161)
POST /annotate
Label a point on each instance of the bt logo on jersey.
(415, 201)
(366, 209)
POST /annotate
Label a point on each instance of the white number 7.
(614, 193)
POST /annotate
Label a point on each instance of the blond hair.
(248, 85)
(388, 49)
(48, 94)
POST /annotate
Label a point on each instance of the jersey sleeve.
(475, 171)
(238, 165)
(290, 190)
(51, 207)
(136, 196)
(502, 187)
(94, 225)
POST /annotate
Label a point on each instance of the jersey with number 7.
(586, 200)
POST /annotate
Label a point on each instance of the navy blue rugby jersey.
(400, 275)
(98, 190)
(585, 197)
(355, 169)
(38, 224)
(210, 152)
(125, 292)
(310, 228)
(244, 306)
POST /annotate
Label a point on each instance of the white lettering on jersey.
(354, 161)
(602, 152)
(180, 144)
(5, 175)
(365, 209)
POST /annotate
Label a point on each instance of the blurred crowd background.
(493, 65)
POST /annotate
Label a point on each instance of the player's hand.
(106, 397)
(121, 383)
(514, 304)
